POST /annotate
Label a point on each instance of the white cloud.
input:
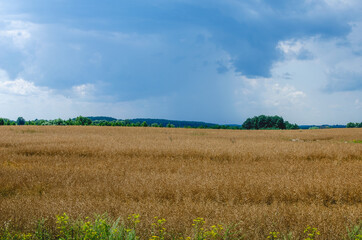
(318, 90)
(18, 33)
(322, 89)
(19, 37)
(19, 86)
(294, 48)
(83, 90)
(290, 46)
(283, 96)
(335, 63)
(19, 97)
(269, 96)
(60, 56)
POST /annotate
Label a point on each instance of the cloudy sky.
(218, 61)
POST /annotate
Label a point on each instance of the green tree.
(69, 122)
(31, 122)
(118, 123)
(39, 122)
(144, 124)
(291, 126)
(279, 123)
(247, 124)
(58, 121)
(2, 121)
(20, 121)
(262, 122)
(267, 122)
(351, 125)
(83, 121)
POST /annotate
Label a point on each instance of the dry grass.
(263, 180)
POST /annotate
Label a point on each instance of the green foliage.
(41, 231)
(201, 233)
(6, 234)
(20, 121)
(274, 236)
(158, 230)
(355, 232)
(291, 126)
(231, 232)
(69, 122)
(268, 122)
(354, 125)
(198, 228)
(312, 233)
(5, 121)
(279, 236)
(103, 228)
(58, 122)
(83, 121)
(257, 122)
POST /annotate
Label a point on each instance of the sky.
(218, 61)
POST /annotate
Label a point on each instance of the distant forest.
(257, 122)
(354, 125)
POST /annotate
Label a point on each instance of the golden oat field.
(263, 181)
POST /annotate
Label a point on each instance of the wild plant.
(312, 233)
(131, 229)
(64, 227)
(279, 236)
(41, 231)
(6, 234)
(198, 226)
(355, 233)
(158, 230)
(101, 228)
(214, 232)
(231, 232)
(274, 236)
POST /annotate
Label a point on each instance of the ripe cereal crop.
(265, 182)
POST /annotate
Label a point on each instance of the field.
(262, 180)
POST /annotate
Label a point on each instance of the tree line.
(354, 125)
(85, 121)
(268, 122)
(257, 122)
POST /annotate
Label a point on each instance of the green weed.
(102, 228)
(355, 232)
